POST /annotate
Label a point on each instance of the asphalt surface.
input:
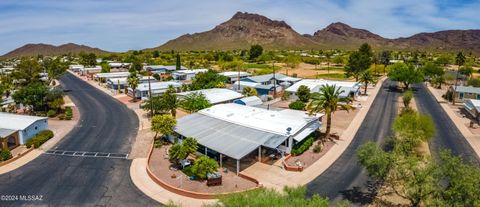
(447, 135)
(106, 126)
(345, 179)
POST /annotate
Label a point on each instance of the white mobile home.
(236, 130)
(18, 129)
(215, 95)
(187, 74)
(157, 88)
(351, 89)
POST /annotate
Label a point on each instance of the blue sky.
(121, 25)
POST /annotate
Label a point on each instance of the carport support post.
(238, 166)
(221, 158)
(260, 153)
(206, 151)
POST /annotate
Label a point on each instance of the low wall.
(192, 194)
(16, 157)
(291, 167)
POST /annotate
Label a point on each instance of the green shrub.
(204, 165)
(37, 140)
(51, 113)
(5, 155)
(317, 148)
(68, 113)
(297, 105)
(302, 146)
(188, 171)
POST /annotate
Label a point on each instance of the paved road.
(447, 136)
(346, 179)
(106, 125)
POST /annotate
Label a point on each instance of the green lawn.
(333, 76)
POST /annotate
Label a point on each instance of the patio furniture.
(185, 163)
(214, 179)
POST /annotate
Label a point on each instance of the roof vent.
(289, 129)
(230, 114)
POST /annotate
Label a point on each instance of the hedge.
(39, 139)
(68, 113)
(5, 155)
(297, 105)
(303, 146)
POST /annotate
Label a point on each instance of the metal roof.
(264, 78)
(158, 86)
(16, 121)
(467, 89)
(6, 132)
(216, 95)
(233, 140)
(112, 75)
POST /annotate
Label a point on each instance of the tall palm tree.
(327, 101)
(366, 77)
(133, 82)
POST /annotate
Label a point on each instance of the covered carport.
(9, 138)
(227, 138)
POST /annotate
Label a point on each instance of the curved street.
(448, 136)
(106, 126)
(345, 178)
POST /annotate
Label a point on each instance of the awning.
(307, 131)
(6, 132)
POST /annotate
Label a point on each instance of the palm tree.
(133, 82)
(327, 101)
(459, 60)
(366, 77)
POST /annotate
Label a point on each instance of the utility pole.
(238, 78)
(455, 88)
(150, 94)
(274, 81)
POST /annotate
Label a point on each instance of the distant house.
(234, 76)
(215, 95)
(18, 129)
(75, 68)
(93, 70)
(122, 83)
(266, 84)
(162, 69)
(463, 93)
(6, 70)
(157, 88)
(119, 66)
(350, 89)
(107, 76)
(472, 106)
(187, 74)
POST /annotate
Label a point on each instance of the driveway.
(106, 126)
(346, 179)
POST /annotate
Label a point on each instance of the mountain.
(241, 31)
(341, 36)
(448, 40)
(46, 49)
(245, 29)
